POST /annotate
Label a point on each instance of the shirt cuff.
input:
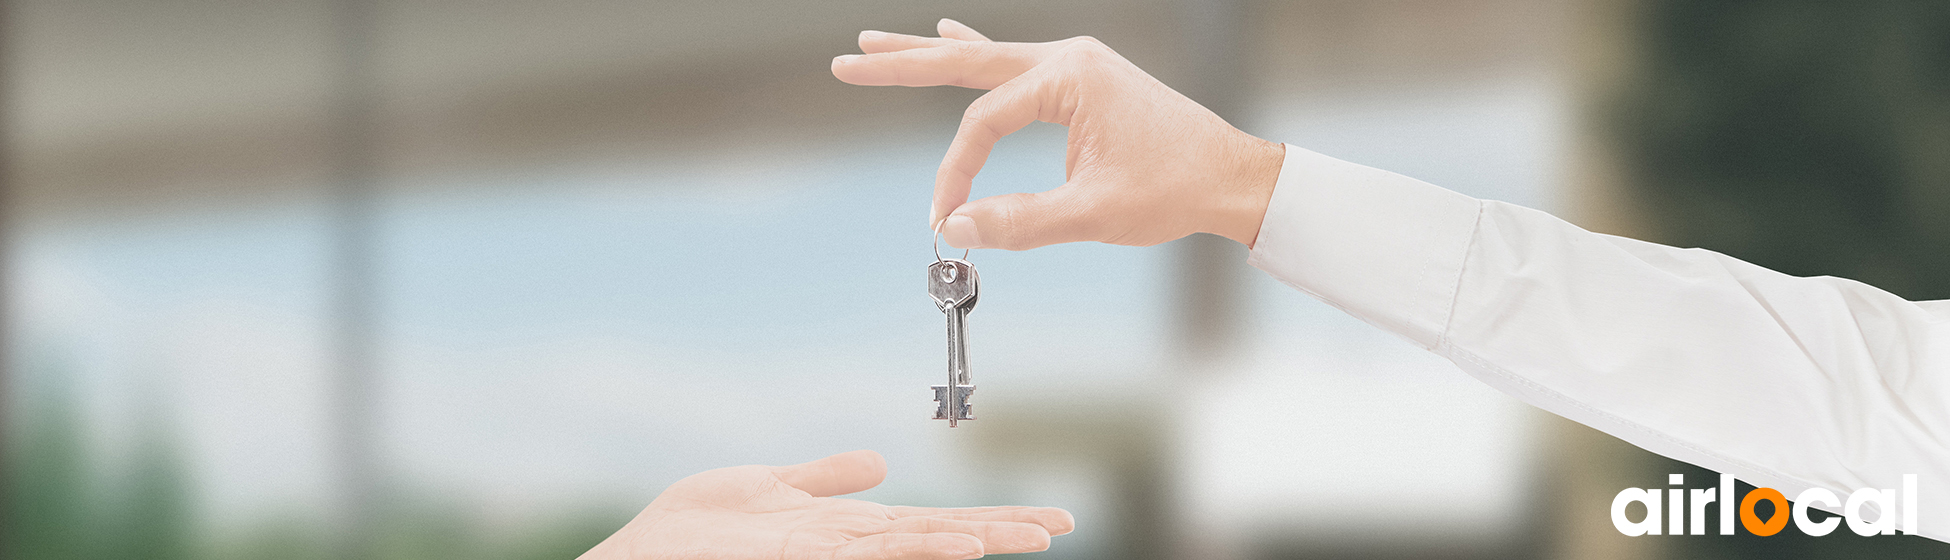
(1384, 248)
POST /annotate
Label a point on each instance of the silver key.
(955, 286)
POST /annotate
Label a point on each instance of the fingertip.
(957, 30)
(845, 473)
(869, 38)
(846, 67)
(869, 461)
(941, 208)
(863, 469)
(960, 232)
(843, 60)
(1063, 523)
(1036, 539)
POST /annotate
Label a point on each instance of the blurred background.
(437, 279)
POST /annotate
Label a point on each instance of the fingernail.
(845, 58)
(871, 34)
(959, 231)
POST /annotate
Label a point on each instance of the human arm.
(1784, 381)
(788, 513)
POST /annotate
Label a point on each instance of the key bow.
(953, 283)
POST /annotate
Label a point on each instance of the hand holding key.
(1145, 164)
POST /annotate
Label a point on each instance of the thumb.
(1022, 221)
(844, 473)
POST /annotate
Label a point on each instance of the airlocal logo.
(1884, 500)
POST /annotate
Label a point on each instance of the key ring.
(937, 244)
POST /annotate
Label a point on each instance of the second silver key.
(955, 287)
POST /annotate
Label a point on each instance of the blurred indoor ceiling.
(126, 104)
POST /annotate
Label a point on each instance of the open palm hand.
(788, 513)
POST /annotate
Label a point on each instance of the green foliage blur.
(1808, 137)
(1805, 136)
(68, 505)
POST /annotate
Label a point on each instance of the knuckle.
(984, 107)
(974, 132)
(1086, 46)
(965, 51)
(971, 117)
(1077, 57)
(978, 117)
(1008, 222)
(976, 111)
(1092, 217)
(932, 525)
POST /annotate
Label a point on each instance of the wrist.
(1247, 187)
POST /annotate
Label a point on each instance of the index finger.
(992, 116)
(1055, 520)
(969, 64)
(909, 511)
(875, 42)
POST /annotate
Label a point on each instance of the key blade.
(953, 406)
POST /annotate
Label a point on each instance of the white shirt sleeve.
(1782, 381)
